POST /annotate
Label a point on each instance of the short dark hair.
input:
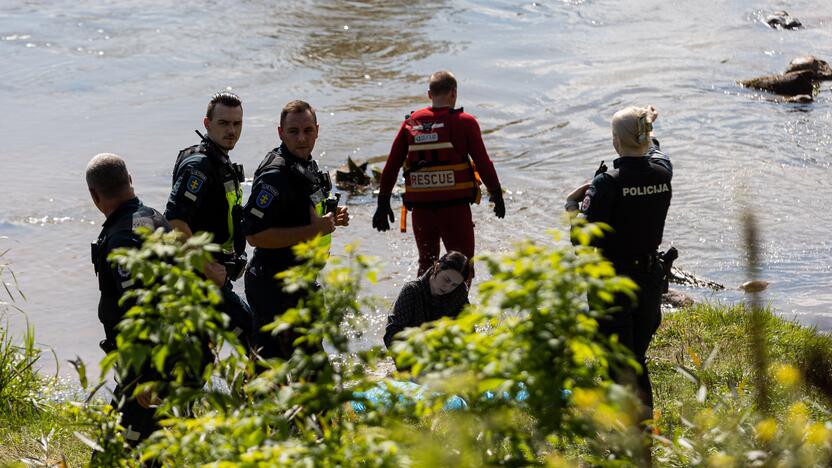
(225, 98)
(442, 82)
(294, 107)
(107, 175)
(456, 261)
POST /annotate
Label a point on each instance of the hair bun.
(456, 261)
(644, 126)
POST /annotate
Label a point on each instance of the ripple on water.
(543, 78)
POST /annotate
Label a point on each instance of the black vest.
(308, 181)
(222, 174)
(318, 182)
(122, 223)
(642, 192)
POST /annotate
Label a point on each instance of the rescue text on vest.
(432, 179)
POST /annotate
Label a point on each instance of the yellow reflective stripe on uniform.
(449, 167)
(234, 196)
(327, 239)
(430, 146)
(459, 186)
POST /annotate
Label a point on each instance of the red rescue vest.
(434, 172)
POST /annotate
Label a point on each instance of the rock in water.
(820, 69)
(677, 299)
(783, 20)
(754, 286)
(788, 84)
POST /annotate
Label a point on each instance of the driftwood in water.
(352, 174)
(353, 177)
(783, 20)
(679, 276)
(798, 82)
(787, 84)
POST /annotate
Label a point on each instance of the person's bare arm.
(573, 200)
(182, 227)
(280, 237)
(579, 193)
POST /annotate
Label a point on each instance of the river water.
(79, 77)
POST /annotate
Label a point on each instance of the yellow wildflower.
(817, 434)
(586, 398)
(706, 419)
(720, 460)
(610, 418)
(766, 429)
(787, 375)
(798, 414)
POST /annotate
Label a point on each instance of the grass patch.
(689, 336)
(31, 425)
(45, 435)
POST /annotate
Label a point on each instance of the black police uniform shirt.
(280, 197)
(198, 194)
(633, 200)
(119, 231)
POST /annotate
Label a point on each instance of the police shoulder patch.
(264, 198)
(590, 192)
(194, 184)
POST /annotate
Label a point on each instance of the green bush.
(532, 334)
(527, 361)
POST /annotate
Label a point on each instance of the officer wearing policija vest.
(633, 200)
(207, 197)
(111, 191)
(290, 203)
(443, 155)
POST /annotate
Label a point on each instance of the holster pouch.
(667, 258)
(107, 346)
(235, 267)
(238, 235)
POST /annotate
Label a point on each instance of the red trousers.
(452, 224)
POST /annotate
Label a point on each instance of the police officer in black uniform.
(290, 203)
(633, 200)
(207, 196)
(110, 187)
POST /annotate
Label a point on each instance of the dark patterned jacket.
(416, 305)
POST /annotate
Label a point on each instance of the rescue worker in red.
(444, 158)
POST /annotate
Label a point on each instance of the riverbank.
(686, 339)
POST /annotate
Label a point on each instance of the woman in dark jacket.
(439, 292)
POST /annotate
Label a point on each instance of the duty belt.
(644, 263)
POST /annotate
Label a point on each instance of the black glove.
(496, 197)
(383, 214)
